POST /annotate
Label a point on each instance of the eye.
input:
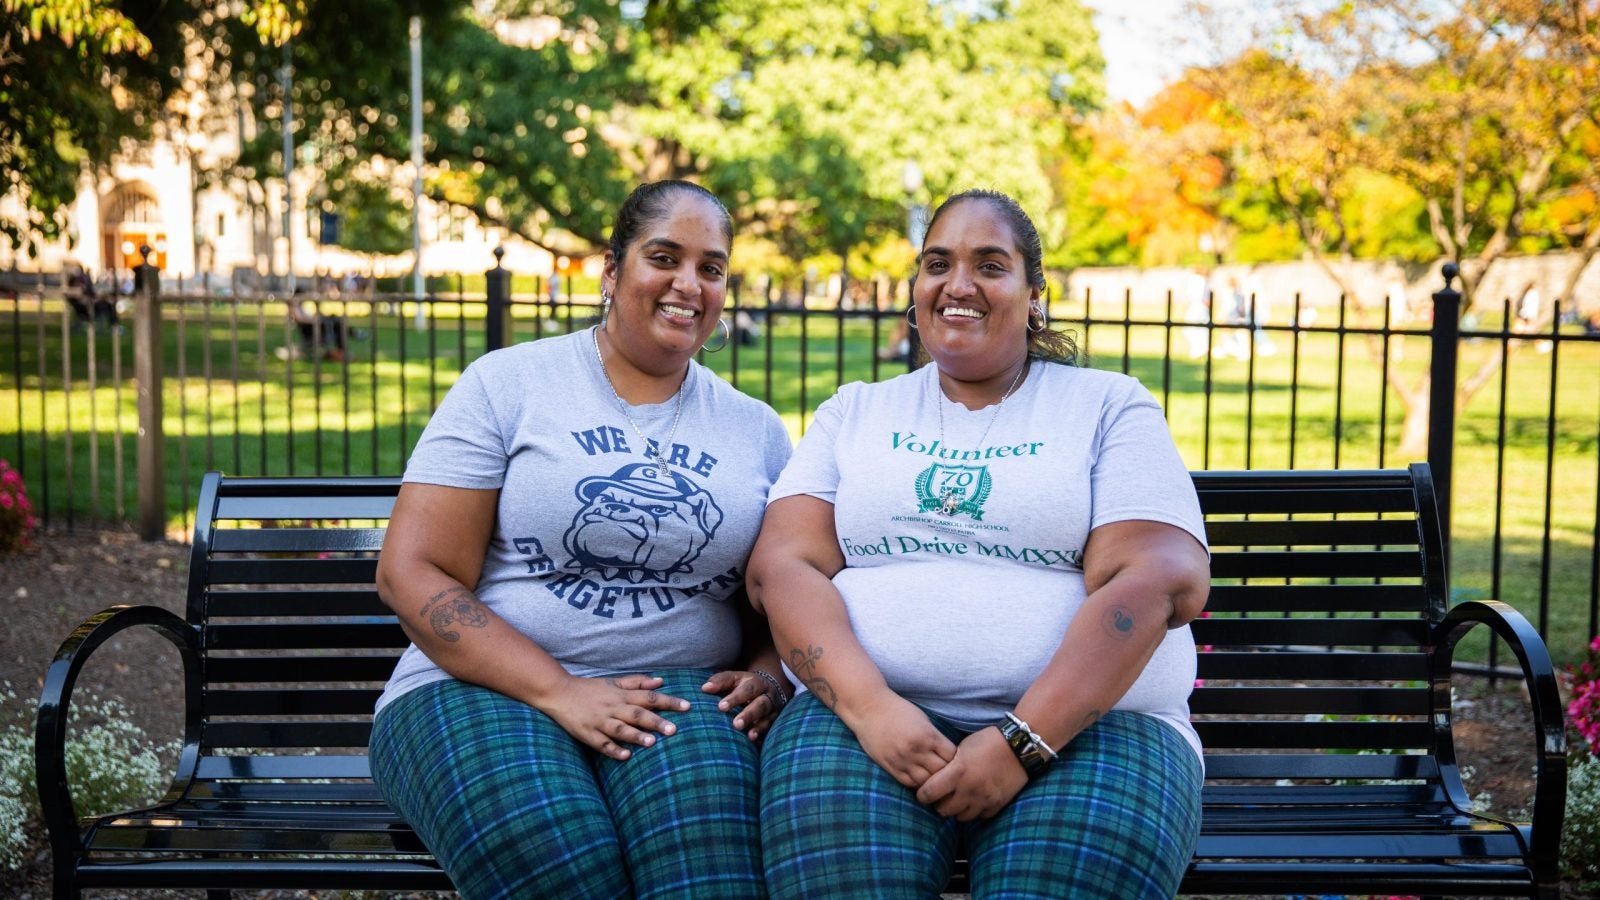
(663, 259)
(935, 265)
(660, 510)
(712, 269)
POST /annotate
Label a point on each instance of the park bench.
(1325, 704)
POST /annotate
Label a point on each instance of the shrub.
(1583, 710)
(111, 765)
(16, 512)
(1580, 835)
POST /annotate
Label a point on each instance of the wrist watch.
(1030, 749)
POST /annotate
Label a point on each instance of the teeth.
(678, 312)
(961, 311)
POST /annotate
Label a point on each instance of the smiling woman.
(567, 557)
(984, 572)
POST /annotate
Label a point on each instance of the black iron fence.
(113, 418)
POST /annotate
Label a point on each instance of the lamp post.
(917, 212)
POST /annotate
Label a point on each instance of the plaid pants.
(513, 806)
(1116, 816)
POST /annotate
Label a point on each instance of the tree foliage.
(76, 79)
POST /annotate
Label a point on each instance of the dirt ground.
(49, 590)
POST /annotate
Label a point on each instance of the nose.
(685, 282)
(960, 283)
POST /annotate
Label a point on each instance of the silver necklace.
(653, 454)
(949, 500)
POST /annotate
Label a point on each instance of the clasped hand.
(972, 780)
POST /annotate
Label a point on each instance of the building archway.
(130, 218)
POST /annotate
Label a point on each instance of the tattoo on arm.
(1119, 623)
(804, 665)
(454, 606)
(1089, 718)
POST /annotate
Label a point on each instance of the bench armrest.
(50, 733)
(1550, 752)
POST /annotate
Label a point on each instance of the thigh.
(1116, 816)
(686, 808)
(505, 799)
(835, 824)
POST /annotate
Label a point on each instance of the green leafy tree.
(76, 80)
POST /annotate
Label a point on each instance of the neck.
(633, 383)
(979, 393)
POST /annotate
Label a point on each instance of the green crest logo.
(953, 490)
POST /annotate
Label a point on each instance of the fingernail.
(649, 740)
(668, 729)
(723, 705)
(706, 687)
(683, 705)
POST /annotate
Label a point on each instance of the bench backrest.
(1315, 645)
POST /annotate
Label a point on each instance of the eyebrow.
(670, 244)
(992, 250)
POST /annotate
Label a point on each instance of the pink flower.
(6, 501)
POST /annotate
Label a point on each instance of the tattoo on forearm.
(804, 665)
(1119, 623)
(1089, 718)
(454, 606)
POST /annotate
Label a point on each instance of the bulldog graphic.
(641, 523)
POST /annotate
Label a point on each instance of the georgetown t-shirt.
(608, 562)
(963, 531)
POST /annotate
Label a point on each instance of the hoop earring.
(722, 325)
(911, 316)
(1043, 324)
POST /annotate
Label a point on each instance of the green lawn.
(231, 403)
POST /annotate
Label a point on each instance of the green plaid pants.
(512, 806)
(1117, 816)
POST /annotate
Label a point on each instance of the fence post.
(1442, 393)
(147, 373)
(497, 328)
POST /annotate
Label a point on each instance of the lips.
(680, 313)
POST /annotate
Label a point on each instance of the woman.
(983, 571)
(577, 714)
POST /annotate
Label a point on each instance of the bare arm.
(1143, 578)
(432, 558)
(790, 579)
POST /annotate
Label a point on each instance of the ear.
(608, 275)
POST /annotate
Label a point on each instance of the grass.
(1524, 496)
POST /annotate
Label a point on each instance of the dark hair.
(1047, 343)
(650, 202)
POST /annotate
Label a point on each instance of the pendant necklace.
(653, 454)
(949, 499)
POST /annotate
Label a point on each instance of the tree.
(541, 114)
(76, 80)
(1479, 109)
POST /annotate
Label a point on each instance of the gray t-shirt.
(605, 561)
(963, 562)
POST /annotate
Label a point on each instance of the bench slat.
(294, 571)
(1221, 766)
(342, 634)
(1268, 632)
(316, 702)
(1316, 564)
(241, 669)
(298, 602)
(297, 540)
(1290, 598)
(1311, 532)
(287, 734)
(1316, 735)
(303, 507)
(1308, 665)
(1303, 699)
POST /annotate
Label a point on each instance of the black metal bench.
(1325, 710)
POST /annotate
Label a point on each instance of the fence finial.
(144, 252)
(1451, 272)
(499, 254)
